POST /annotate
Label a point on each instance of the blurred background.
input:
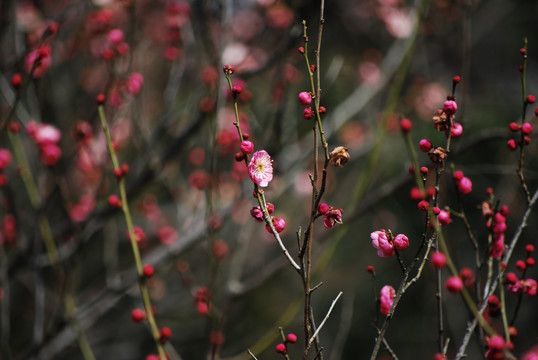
(221, 283)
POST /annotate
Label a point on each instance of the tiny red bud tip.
(511, 144)
(456, 79)
(423, 205)
(100, 99)
(406, 125)
(16, 81)
(300, 49)
(531, 99)
(165, 334)
(370, 269)
(291, 338)
(236, 89)
(148, 270)
(281, 348)
(138, 315)
(514, 127)
(522, 51)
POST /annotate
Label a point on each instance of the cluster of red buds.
(282, 348)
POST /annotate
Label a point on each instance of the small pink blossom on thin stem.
(260, 168)
(401, 242)
(246, 147)
(456, 130)
(278, 223)
(380, 241)
(332, 217)
(454, 284)
(386, 298)
(450, 107)
(444, 217)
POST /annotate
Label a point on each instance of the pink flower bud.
(135, 82)
(138, 315)
(496, 343)
(531, 99)
(456, 130)
(305, 98)
(438, 260)
(458, 175)
(512, 145)
(381, 242)
(465, 185)
(236, 89)
(291, 338)
(386, 299)
(247, 147)
(423, 205)
(450, 107)
(257, 214)
(50, 154)
(115, 36)
(308, 113)
(526, 128)
(5, 158)
(456, 79)
(281, 348)
(425, 145)
(148, 270)
(514, 127)
(406, 125)
(454, 284)
(444, 217)
(323, 208)
(278, 223)
(401, 242)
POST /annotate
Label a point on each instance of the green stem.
(503, 308)
(132, 238)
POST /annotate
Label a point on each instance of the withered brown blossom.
(437, 155)
(339, 156)
(440, 120)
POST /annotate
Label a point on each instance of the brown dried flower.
(440, 120)
(437, 155)
(339, 156)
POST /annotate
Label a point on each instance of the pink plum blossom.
(381, 242)
(332, 217)
(278, 223)
(465, 185)
(260, 168)
(386, 298)
(456, 130)
(450, 107)
(401, 242)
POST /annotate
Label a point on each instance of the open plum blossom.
(386, 297)
(331, 215)
(385, 243)
(260, 168)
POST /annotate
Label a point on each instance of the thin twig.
(325, 318)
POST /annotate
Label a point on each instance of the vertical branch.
(132, 236)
